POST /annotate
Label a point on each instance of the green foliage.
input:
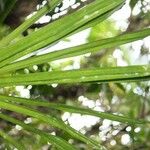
(13, 47)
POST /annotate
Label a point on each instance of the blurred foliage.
(101, 31)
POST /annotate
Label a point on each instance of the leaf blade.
(58, 142)
(71, 109)
(28, 23)
(77, 50)
(55, 122)
(100, 75)
(48, 34)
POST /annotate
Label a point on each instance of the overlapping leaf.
(57, 141)
(78, 50)
(71, 109)
(49, 34)
(83, 18)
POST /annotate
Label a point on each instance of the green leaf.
(100, 75)
(90, 47)
(12, 49)
(65, 26)
(57, 141)
(55, 122)
(71, 109)
(29, 22)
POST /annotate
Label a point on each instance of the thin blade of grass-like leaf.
(22, 53)
(90, 80)
(29, 22)
(75, 51)
(55, 122)
(39, 45)
(71, 109)
(108, 74)
(57, 141)
(11, 140)
(66, 25)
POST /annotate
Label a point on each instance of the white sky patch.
(137, 9)
(128, 129)
(78, 121)
(125, 139)
(74, 40)
(115, 132)
(18, 127)
(44, 19)
(137, 130)
(28, 121)
(118, 54)
(24, 92)
(121, 16)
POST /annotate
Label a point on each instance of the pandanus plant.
(13, 47)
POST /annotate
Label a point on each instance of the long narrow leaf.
(29, 22)
(49, 120)
(78, 50)
(49, 34)
(57, 141)
(91, 23)
(109, 74)
(72, 109)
